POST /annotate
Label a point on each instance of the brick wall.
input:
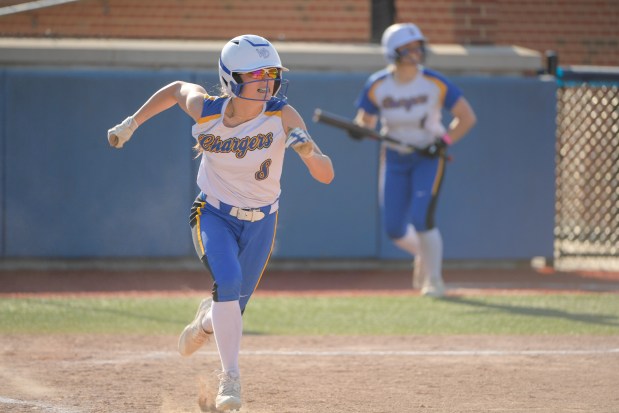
(452, 21)
(582, 31)
(316, 20)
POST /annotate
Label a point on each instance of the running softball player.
(408, 99)
(242, 137)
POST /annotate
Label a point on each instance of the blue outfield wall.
(67, 194)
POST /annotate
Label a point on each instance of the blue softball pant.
(235, 252)
(411, 185)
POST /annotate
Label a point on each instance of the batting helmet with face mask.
(245, 54)
(396, 36)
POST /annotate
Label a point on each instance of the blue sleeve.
(275, 105)
(452, 96)
(363, 101)
(452, 92)
(212, 105)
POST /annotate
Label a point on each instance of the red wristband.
(447, 139)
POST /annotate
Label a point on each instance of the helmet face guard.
(245, 54)
(398, 35)
(400, 56)
(278, 87)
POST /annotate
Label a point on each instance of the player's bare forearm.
(464, 119)
(188, 96)
(320, 166)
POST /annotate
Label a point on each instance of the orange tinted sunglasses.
(269, 72)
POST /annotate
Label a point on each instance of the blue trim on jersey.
(275, 104)
(453, 92)
(363, 101)
(212, 106)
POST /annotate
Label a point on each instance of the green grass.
(587, 314)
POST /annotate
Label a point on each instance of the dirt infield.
(124, 374)
(314, 374)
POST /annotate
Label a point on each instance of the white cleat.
(229, 394)
(193, 336)
(433, 288)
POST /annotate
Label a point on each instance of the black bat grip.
(343, 123)
(340, 122)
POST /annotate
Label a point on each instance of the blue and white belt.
(244, 214)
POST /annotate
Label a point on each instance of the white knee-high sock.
(419, 272)
(409, 242)
(228, 329)
(431, 252)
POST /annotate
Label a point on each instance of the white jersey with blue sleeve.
(241, 165)
(409, 112)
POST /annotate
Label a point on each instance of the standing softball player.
(241, 136)
(408, 99)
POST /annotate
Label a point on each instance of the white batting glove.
(301, 142)
(119, 134)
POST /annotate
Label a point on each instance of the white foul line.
(372, 353)
(43, 406)
(135, 357)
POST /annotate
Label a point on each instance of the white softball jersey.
(409, 112)
(241, 166)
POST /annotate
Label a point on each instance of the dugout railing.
(587, 169)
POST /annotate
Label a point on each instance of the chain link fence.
(587, 171)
